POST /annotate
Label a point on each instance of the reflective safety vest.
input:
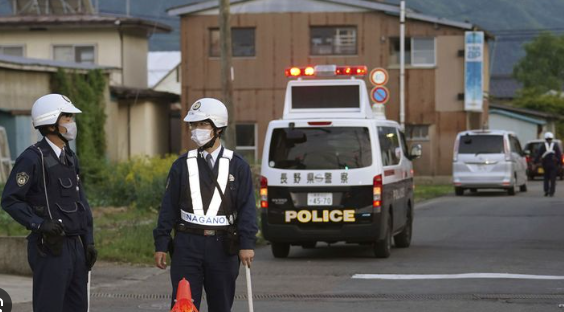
(197, 216)
(549, 149)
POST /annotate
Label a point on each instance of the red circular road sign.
(380, 95)
(378, 76)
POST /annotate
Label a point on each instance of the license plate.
(319, 199)
(540, 170)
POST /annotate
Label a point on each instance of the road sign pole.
(402, 65)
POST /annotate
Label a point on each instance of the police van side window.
(403, 144)
(389, 144)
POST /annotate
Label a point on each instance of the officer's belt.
(184, 229)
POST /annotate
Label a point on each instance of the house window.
(246, 141)
(417, 132)
(12, 50)
(333, 40)
(242, 42)
(74, 54)
(418, 51)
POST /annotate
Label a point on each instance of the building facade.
(269, 36)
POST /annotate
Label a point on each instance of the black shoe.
(545, 194)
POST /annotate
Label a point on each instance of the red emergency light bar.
(326, 71)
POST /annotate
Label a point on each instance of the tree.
(542, 69)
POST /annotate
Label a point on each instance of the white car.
(488, 159)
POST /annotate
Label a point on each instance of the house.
(527, 124)
(67, 35)
(23, 81)
(269, 36)
(164, 72)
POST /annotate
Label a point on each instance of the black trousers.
(550, 180)
(59, 282)
(203, 262)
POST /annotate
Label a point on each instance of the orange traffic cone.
(184, 298)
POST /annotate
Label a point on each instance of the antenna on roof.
(52, 7)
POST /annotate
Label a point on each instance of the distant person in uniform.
(210, 203)
(44, 194)
(550, 155)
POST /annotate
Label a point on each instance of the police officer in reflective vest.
(209, 202)
(44, 194)
(550, 155)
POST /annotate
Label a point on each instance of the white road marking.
(455, 276)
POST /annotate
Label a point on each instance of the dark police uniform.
(550, 165)
(198, 248)
(60, 273)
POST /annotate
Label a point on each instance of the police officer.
(44, 194)
(550, 155)
(209, 192)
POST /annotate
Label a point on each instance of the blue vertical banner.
(474, 71)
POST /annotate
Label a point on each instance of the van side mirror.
(415, 152)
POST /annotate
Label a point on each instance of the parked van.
(488, 159)
(333, 170)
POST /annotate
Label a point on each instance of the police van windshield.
(323, 148)
(481, 144)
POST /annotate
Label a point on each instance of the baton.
(88, 289)
(249, 289)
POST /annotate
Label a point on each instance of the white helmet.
(548, 135)
(46, 109)
(208, 108)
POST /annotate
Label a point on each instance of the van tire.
(310, 245)
(280, 250)
(523, 188)
(458, 191)
(511, 191)
(403, 238)
(383, 248)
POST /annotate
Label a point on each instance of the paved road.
(488, 232)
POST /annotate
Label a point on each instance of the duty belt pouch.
(52, 244)
(231, 242)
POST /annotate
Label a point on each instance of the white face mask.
(201, 136)
(71, 130)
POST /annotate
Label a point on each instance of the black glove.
(91, 256)
(51, 227)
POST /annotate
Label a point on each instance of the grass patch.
(426, 192)
(124, 235)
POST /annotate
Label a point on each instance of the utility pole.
(227, 70)
(402, 65)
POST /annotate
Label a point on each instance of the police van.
(333, 168)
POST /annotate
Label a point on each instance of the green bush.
(138, 183)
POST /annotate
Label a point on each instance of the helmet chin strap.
(58, 133)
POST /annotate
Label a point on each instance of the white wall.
(525, 131)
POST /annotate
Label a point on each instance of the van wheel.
(383, 248)
(280, 250)
(511, 190)
(403, 239)
(458, 191)
(523, 188)
(309, 245)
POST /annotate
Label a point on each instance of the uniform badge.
(196, 105)
(231, 178)
(22, 178)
